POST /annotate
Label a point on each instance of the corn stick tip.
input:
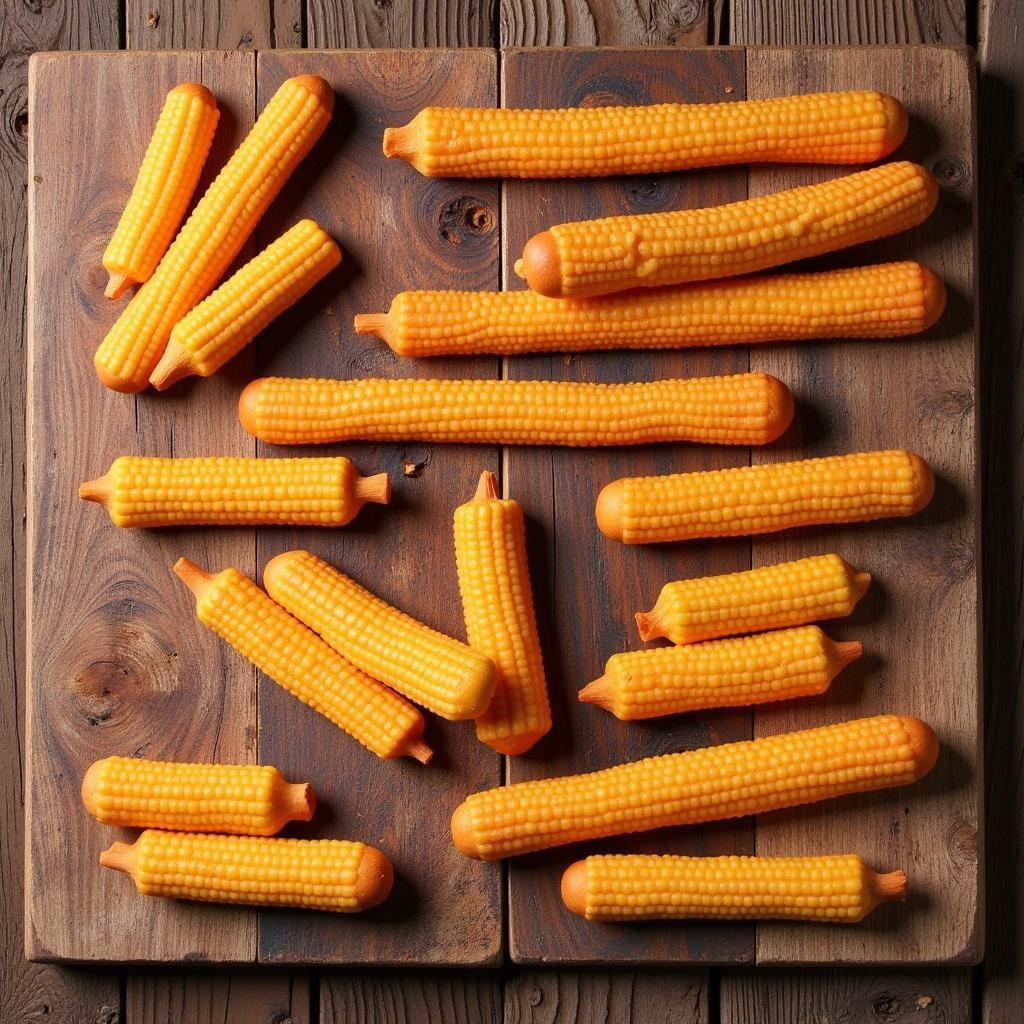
(891, 885)
(374, 878)
(933, 289)
(781, 408)
(248, 406)
(373, 324)
(896, 124)
(115, 382)
(924, 482)
(419, 750)
(598, 692)
(196, 90)
(175, 364)
(299, 801)
(375, 489)
(318, 87)
(848, 651)
(648, 624)
(574, 887)
(120, 857)
(924, 744)
(609, 509)
(520, 268)
(91, 785)
(861, 583)
(196, 579)
(463, 833)
(487, 487)
(99, 490)
(275, 569)
(117, 285)
(542, 265)
(400, 142)
(931, 187)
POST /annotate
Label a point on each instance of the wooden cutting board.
(118, 663)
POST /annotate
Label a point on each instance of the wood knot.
(154, 19)
(950, 172)
(372, 361)
(687, 15)
(647, 194)
(963, 843)
(103, 686)
(886, 1008)
(464, 216)
(536, 996)
(21, 123)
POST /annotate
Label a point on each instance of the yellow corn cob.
(643, 887)
(167, 178)
(246, 303)
(827, 128)
(497, 602)
(428, 667)
(748, 408)
(247, 799)
(322, 874)
(214, 234)
(596, 257)
(735, 672)
(764, 498)
(226, 490)
(788, 594)
(882, 301)
(711, 784)
(296, 658)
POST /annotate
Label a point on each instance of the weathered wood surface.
(587, 587)
(217, 997)
(212, 24)
(410, 998)
(604, 22)
(397, 231)
(393, 24)
(919, 623)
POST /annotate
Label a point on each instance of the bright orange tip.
(375, 489)
(196, 579)
(115, 383)
(609, 510)
(923, 742)
(99, 490)
(598, 692)
(896, 124)
(419, 750)
(175, 364)
(318, 87)
(542, 265)
(924, 482)
(487, 487)
(374, 878)
(931, 189)
(780, 408)
(374, 324)
(849, 651)
(120, 857)
(574, 887)
(462, 832)
(934, 289)
(117, 285)
(645, 624)
(90, 786)
(892, 885)
(300, 801)
(248, 405)
(399, 142)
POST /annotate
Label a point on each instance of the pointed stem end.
(120, 857)
(197, 580)
(100, 490)
(175, 364)
(487, 487)
(117, 285)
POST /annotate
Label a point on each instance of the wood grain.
(588, 588)
(604, 22)
(397, 230)
(892, 996)
(407, 998)
(116, 660)
(854, 22)
(606, 997)
(392, 24)
(919, 623)
(205, 997)
(212, 24)
(1001, 199)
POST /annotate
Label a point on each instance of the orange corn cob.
(163, 189)
(428, 667)
(596, 257)
(826, 128)
(882, 301)
(322, 874)
(788, 594)
(296, 658)
(643, 887)
(497, 602)
(764, 498)
(246, 303)
(711, 784)
(748, 408)
(140, 491)
(247, 799)
(735, 672)
(214, 234)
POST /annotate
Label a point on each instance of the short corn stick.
(432, 669)
(141, 491)
(163, 188)
(825, 128)
(497, 602)
(764, 498)
(748, 408)
(214, 234)
(735, 672)
(296, 658)
(245, 799)
(771, 597)
(321, 874)
(712, 784)
(882, 301)
(245, 304)
(642, 887)
(597, 257)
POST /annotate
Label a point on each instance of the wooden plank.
(422, 998)
(606, 997)
(1001, 208)
(212, 25)
(392, 24)
(798, 23)
(116, 660)
(398, 230)
(895, 996)
(604, 23)
(919, 623)
(588, 615)
(208, 997)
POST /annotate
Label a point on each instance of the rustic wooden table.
(992, 993)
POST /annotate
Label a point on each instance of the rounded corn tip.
(861, 583)
(374, 878)
(114, 382)
(175, 364)
(542, 266)
(318, 87)
(892, 885)
(931, 187)
(196, 90)
(98, 490)
(117, 285)
(462, 832)
(374, 489)
(276, 567)
(896, 124)
(120, 857)
(609, 509)
(924, 744)
(574, 887)
(934, 290)
(924, 482)
(487, 487)
(196, 579)
(248, 406)
(780, 409)
(91, 785)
